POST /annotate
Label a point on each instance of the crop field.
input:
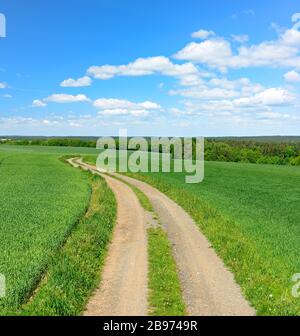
(75, 269)
(251, 215)
(52, 247)
(149, 175)
(41, 201)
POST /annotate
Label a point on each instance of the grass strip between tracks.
(165, 295)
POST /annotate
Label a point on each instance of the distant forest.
(263, 150)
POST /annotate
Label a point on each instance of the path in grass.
(208, 287)
(164, 288)
(123, 287)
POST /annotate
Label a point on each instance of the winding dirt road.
(123, 287)
(209, 288)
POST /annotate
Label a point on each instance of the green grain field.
(251, 215)
(42, 200)
(249, 212)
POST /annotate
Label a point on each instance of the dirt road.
(123, 287)
(209, 288)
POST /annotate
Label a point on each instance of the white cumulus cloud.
(269, 97)
(292, 76)
(66, 98)
(80, 82)
(119, 107)
(203, 34)
(144, 66)
(38, 103)
(213, 52)
(218, 53)
(111, 103)
(240, 38)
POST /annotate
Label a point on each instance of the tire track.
(209, 288)
(123, 287)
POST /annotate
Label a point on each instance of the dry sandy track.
(209, 288)
(123, 287)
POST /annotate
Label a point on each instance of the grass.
(75, 269)
(165, 296)
(251, 215)
(63, 241)
(143, 199)
(41, 201)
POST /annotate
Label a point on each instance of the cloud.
(268, 105)
(240, 38)
(190, 80)
(269, 97)
(292, 76)
(7, 95)
(66, 98)
(3, 85)
(38, 103)
(220, 88)
(272, 115)
(142, 67)
(213, 52)
(111, 103)
(80, 82)
(124, 112)
(217, 53)
(203, 34)
(60, 98)
(56, 124)
(237, 100)
(119, 107)
(206, 93)
(74, 124)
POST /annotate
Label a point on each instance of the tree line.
(253, 152)
(231, 150)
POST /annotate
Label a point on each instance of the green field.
(75, 270)
(42, 199)
(251, 215)
(249, 212)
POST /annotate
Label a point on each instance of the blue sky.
(154, 67)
